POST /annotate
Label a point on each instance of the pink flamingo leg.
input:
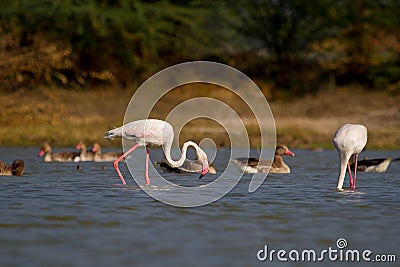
(351, 176)
(121, 158)
(355, 172)
(147, 167)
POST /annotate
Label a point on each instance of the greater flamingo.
(349, 140)
(255, 165)
(156, 133)
(17, 168)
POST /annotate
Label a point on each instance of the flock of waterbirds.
(349, 140)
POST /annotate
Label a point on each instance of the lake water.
(58, 215)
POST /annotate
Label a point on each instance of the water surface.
(59, 215)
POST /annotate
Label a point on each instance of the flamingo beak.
(204, 169)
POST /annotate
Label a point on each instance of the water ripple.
(56, 215)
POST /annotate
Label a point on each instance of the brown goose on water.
(17, 168)
(45, 151)
(373, 165)
(256, 165)
(84, 154)
(106, 156)
(193, 166)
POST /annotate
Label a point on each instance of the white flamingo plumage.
(155, 133)
(349, 140)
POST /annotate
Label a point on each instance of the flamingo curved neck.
(179, 163)
(343, 164)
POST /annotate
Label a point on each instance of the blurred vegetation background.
(290, 47)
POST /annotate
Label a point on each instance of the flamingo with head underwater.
(155, 133)
(349, 140)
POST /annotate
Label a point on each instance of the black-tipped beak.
(204, 170)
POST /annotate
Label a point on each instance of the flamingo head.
(205, 167)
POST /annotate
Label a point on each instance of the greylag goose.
(45, 151)
(17, 168)
(255, 165)
(349, 140)
(106, 156)
(188, 166)
(84, 154)
(373, 165)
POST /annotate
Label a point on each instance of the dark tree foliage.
(102, 41)
(300, 42)
(295, 45)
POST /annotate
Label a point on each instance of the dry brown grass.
(64, 117)
(60, 117)
(312, 120)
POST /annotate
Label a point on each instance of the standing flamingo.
(349, 140)
(156, 133)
